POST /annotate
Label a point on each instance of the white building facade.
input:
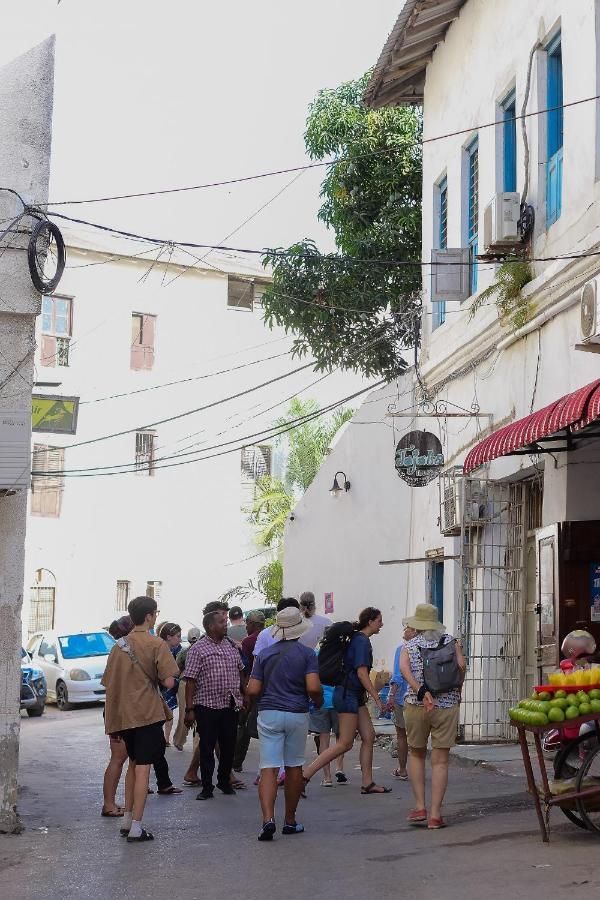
(507, 540)
(142, 336)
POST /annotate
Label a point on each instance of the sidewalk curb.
(468, 762)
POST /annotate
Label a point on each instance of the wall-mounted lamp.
(336, 488)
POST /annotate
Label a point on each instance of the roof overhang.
(399, 76)
(557, 428)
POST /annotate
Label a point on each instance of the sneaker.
(433, 824)
(267, 831)
(296, 828)
(417, 817)
(341, 778)
(144, 836)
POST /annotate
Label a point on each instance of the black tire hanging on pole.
(40, 282)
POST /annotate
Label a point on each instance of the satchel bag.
(124, 644)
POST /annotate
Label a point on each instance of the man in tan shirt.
(134, 709)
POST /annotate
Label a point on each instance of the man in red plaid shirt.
(214, 694)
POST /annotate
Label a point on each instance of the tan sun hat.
(290, 624)
(424, 619)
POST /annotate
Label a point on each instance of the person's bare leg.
(140, 791)
(292, 790)
(180, 736)
(439, 781)
(112, 775)
(324, 741)
(348, 723)
(339, 763)
(416, 772)
(192, 769)
(267, 793)
(402, 749)
(367, 737)
(129, 786)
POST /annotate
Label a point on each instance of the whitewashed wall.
(183, 526)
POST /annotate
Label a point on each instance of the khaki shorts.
(441, 724)
(399, 716)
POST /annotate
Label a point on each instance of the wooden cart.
(582, 804)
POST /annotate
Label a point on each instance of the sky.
(148, 99)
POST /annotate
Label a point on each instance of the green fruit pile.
(542, 708)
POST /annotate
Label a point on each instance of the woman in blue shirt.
(349, 699)
(395, 704)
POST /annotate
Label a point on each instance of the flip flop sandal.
(267, 832)
(239, 785)
(195, 783)
(296, 828)
(144, 836)
(417, 817)
(170, 790)
(113, 815)
(325, 783)
(401, 775)
(434, 824)
(370, 789)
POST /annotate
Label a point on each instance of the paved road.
(354, 846)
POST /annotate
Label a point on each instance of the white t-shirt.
(309, 639)
(319, 624)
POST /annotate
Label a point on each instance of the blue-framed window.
(509, 143)
(439, 308)
(437, 588)
(554, 124)
(473, 207)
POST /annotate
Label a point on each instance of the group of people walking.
(272, 683)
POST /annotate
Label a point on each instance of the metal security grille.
(122, 598)
(144, 452)
(492, 624)
(255, 462)
(62, 351)
(41, 610)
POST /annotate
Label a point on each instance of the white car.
(73, 664)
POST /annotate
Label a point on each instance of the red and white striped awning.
(570, 414)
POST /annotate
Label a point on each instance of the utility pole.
(26, 96)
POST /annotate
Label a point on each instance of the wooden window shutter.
(47, 490)
(48, 350)
(148, 332)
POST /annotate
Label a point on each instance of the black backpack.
(332, 652)
(441, 672)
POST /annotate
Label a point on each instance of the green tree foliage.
(271, 508)
(309, 442)
(349, 313)
(512, 276)
(270, 581)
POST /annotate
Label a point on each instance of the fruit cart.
(576, 785)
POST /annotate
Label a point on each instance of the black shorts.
(146, 744)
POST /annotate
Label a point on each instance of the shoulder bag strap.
(124, 644)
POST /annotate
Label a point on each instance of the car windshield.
(77, 646)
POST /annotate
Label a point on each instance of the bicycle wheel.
(567, 765)
(589, 776)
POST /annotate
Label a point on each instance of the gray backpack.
(441, 672)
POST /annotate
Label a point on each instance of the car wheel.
(62, 697)
(36, 710)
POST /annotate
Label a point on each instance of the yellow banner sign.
(56, 415)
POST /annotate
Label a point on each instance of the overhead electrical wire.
(316, 165)
(100, 471)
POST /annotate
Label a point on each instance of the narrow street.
(354, 846)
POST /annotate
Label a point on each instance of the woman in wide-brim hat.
(427, 716)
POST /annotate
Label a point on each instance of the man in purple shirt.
(284, 677)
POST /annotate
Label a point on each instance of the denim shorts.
(282, 738)
(347, 701)
(323, 721)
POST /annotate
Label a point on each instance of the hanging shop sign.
(419, 458)
(54, 415)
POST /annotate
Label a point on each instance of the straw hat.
(290, 624)
(424, 619)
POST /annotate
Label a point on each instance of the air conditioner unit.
(450, 274)
(451, 506)
(590, 320)
(501, 222)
